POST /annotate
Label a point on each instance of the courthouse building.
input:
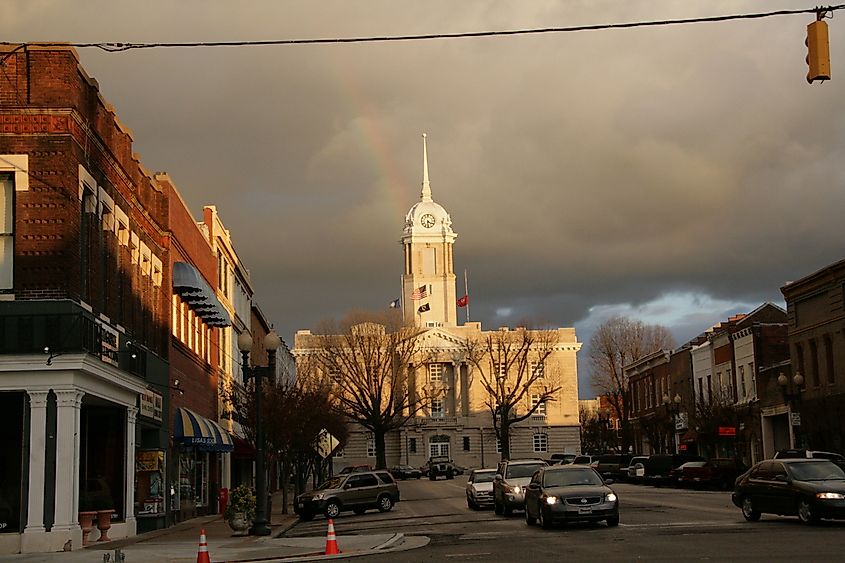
(457, 422)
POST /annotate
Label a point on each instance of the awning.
(243, 449)
(195, 291)
(191, 429)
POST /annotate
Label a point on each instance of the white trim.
(19, 164)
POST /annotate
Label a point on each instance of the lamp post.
(792, 396)
(271, 344)
(673, 407)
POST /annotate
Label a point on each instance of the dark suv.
(658, 468)
(353, 491)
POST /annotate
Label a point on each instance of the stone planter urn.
(240, 524)
(104, 523)
(86, 522)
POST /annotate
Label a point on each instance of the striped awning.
(189, 284)
(195, 430)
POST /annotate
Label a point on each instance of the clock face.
(427, 220)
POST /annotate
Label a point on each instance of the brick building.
(85, 301)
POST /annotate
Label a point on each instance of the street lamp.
(792, 395)
(271, 344)
(673, 407)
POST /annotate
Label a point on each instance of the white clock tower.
(428, 281)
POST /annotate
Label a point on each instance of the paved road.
(656, 525)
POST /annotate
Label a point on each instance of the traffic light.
(818, 52)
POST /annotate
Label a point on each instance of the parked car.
(405, 472)
(569, 493)
(584, 459)
(720, 473)
(356, 491)
(562, 459)
(836, 458)
(479, 488)
(636, 469)
(509, 483)
(809, 488)
(355, 469)
(658, 468)
(614, 466)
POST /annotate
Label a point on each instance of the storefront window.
(149, 481)
(193, 481)
(11, 462)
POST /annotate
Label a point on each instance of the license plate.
(585, 510)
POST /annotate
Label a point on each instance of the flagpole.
(466, 292)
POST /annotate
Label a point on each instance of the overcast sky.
(674, 174)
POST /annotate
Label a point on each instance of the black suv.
(440, 467)
(658, 468)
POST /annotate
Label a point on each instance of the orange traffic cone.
(331, 541)
(202, 554)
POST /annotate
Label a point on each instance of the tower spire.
(425, 195)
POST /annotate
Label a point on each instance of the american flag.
(419, 293)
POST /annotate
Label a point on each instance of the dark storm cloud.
(586, 173)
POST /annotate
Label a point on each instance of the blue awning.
(195, 430)
(193, 289)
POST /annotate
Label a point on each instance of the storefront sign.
(682, 421)
(151, 404)
(108, 343)
(795, 418)
(727, 431)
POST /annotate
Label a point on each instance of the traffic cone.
(331, 541)
(202, 554)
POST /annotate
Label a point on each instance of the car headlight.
(319, 496)
(611, 497)
(830, 496)
(551, 500)
(517, 489)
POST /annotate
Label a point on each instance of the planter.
(104, 523)
(86, 522)
(240, 524)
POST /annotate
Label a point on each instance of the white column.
(68, 404)
(129, 500)
(37, 451)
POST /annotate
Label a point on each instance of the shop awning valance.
(195, 291)
(195, 430)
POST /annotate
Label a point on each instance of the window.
(338, 453)
(501, 369)
(466, 443)
(437, 408)
(438, 449)
(541, 443)
(435, 372)
(412, 445)
(814, 363)
(157, 271)
(122, 226)
(371, 447)
(828, 354)
(498, 446)
(7, 230)
(174, 316)
(134, 248)
(538, 370)
(742, 382)
(541, 405)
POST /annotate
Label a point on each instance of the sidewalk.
(179, 544)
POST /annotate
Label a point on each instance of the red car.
(719, 473)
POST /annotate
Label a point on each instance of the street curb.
(395, 543)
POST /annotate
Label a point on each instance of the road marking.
(479, 554)
(678, 525)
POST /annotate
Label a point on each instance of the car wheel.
(385, 503)
(545, 524)
(306, 516)
(332, 509)
(748, 511)
(530, 520)
(432, 478)
(450, 475)
(806, 513)
(613, 521)
(497, 508)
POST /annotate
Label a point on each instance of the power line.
(120, 47)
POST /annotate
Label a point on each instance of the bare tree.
(513, 372)
(615, 344)
(367, 357)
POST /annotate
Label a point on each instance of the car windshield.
(522, 470)
(486, 477)
(333, 483)
(816, 471)
(570, 478)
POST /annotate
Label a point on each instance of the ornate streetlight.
(792, 396)
(673, 407)
(271, 344)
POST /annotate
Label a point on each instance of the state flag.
(423, 308)
(463, 301)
